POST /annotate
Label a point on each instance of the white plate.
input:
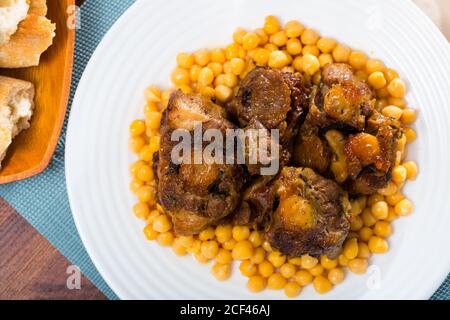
(140, 50)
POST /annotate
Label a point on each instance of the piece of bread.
(11, 13)
(38, 7)
(16, 109)
(34, 36)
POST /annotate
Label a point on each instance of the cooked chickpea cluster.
(216, 74)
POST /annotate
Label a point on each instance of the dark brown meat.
(310, 149)
(341, 99)
(257, 204)
(195, 195)
(312, 215)
(371, 155)
(276, 99)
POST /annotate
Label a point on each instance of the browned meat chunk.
(341, 99)
(371, 155)
(195, 195)
(310, 150)
(257, 203)
(312, 215)
(276, 99)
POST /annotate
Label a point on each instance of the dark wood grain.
(30, 267)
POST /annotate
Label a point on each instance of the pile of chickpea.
(216, 73)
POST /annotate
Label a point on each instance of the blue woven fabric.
(43, 200)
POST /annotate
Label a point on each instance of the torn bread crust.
(16, 109)
(34, 36)
(12, 12)
(38, 7)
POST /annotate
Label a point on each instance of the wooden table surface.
(31, 268)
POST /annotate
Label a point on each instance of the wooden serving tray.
(31, 151)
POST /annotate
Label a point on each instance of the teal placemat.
(42, 200)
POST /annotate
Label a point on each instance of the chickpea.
(325, 59)
(162, 224)
(317, 270)
(358, 266)
(165, 239)
(279, 39)
(256, 283)
(404, 207)
(288, 270)
(308, 262)
(399, 174)
(141, 210)
(368, 218)
(229, 244)
(185, 60)
(310, 64)
(341, 53)
(328, 263)
(309, 36)
(378, 245)
(218, 55)
(265, 268)
(207, 234)
(395, 198)
(276, 281)
(292, 289)
(303, 277)
(350, 249)
(221, 271)
(326, 45)
(255, 238)
(271, 25)
(224, 257)
(343, 260)
(336, 275)
(276, 258)
(238, 35)
(311, 49)
(365, 234)
(363, 250)
(258, 255)
(223, 233)
(322, 285)
(294, 46)
(186, 241)
(373, 65)
(150, 233)
(382, 229)
(243, 250)
(357, 59)
(178, 249)
(202, 57)
(377, 80)
(408, 116)
(294, 29)
(411, 170)
(209, 249)
(397, 88)
(380, 210)
(278, 59)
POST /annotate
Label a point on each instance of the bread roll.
(16, 108)
(11, 13)
(38, 7)
(34, 35)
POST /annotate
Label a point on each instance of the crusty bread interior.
(34, 35)
(38, 7)
(16, 109)
(12, 12)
